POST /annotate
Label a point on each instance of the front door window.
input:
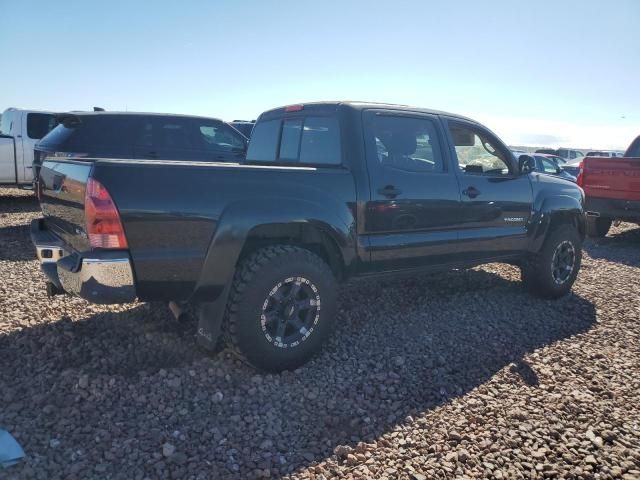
(477, 153)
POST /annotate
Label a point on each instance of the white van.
(20, 130)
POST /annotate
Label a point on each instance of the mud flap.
(210, 317)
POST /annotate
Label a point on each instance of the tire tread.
(243, 276)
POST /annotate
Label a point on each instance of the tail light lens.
(580, 177)
(104, 227)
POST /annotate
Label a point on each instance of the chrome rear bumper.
(98, 276)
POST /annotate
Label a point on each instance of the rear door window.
(407, 143)
(187, 138)
(39, 124)
(307, 141)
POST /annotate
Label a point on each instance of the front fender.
(240, 218)
(553, 210)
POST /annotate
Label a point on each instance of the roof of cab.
(360, 105)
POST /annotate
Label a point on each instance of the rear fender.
(242, 218)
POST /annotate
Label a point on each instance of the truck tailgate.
(62, 188)
(617, 178)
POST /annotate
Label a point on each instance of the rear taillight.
(104, 227)
(580, 177)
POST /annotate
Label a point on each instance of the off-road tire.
(598, 227)
(538, 271)
(255, 279)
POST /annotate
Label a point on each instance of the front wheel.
(282, 307)
(552, 271)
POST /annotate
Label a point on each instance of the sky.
(544, 72)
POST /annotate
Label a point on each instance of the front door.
(496, 199)
(412, 217)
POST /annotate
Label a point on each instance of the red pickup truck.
(612, 189)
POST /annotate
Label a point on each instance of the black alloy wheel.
(290, 312)
(563, 262)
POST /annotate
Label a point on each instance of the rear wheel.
(598, 227)
(552, 271)
(282, 307)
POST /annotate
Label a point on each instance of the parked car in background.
(564, 153)
(572, 167)
(612, 189)
(20, 130)
(605, 153)
(142, 136)
(244, 126)
(327, 192)
(550, 164)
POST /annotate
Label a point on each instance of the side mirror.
(526, 164)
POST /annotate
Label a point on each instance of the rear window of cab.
(300, 140)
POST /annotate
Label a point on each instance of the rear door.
(413, 216)
(496, 199)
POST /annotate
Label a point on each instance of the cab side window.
(478, 153)
(301, 140)
(406, 143)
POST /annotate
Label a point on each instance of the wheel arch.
(245, 227)
(557, 210)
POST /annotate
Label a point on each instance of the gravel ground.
(456, 375)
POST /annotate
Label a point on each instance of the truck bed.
(172, 210)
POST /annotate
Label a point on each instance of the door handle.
(389, 191)
(471, 192)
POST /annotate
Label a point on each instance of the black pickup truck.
(327, 192)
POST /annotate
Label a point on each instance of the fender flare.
(556, 208)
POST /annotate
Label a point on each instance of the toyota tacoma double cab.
(612, 189)
(326, 192)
